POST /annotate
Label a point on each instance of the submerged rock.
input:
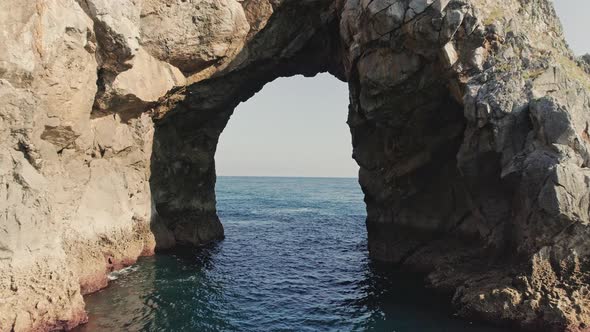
(469, 122)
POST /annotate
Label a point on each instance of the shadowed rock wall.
(301, 39)
(469, 122)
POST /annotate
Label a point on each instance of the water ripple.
(294, 259)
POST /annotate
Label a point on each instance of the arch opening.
(294, 127)
(405, 115)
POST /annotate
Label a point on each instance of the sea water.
(294, 258)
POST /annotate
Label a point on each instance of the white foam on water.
(116, 274)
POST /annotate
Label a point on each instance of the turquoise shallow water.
(294, 259)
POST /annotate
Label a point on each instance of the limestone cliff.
(469, 121)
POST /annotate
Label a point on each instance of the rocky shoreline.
(469, 121)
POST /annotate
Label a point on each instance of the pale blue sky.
(297, 126)
(574, 18)
(294, 127)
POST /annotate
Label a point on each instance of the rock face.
(74, 195)
(469, 121)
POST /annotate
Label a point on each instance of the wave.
(124, 271)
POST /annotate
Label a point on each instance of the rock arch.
(184, 196)
(449, 119)
(469, 121)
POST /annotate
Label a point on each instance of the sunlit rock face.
(469, 122)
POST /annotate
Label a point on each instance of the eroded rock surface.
(473, 154)
(469, 121)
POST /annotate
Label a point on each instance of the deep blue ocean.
(294, 259)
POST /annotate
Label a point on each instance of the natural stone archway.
(469, 121)
(448, 130)
(298, 41)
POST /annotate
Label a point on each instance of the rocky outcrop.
(473, 154)
(469, 122)
(75, 196)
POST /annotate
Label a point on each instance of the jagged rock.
(53, 242)
(193, 35)
(148, 79)
(134, 90)
(585, 62)
(469, 122)
(117, 28)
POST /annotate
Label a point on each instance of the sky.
(297, 126)
(574, 19)
(294, 127)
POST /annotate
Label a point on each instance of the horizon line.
(289, 176)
